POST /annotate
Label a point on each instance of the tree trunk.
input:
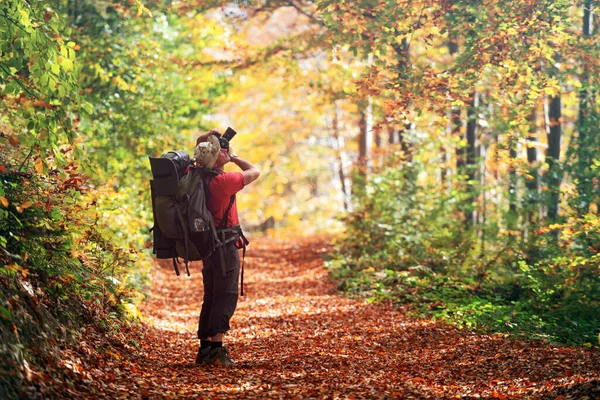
(512, 182)
(443, 169)
(455, 125)
(455, 113)
(532, 182)
(554, 175)
(393, 137)
(403, 56)
(362, 139)
(586, 141)
(339, 147)
(513, 185)
(471, 155)
(365, 136)
(369, 134)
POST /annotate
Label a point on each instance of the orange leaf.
(4, 201)
(14, 140)
(24, 206)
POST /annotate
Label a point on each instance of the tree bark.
(471, 153)
(339, 146)
(471, 133)
(365, 136)
(455, 112)
(554, 175)
(362, 138)
(403, 56)
(512, 180)
(585, 142)
(532, 183)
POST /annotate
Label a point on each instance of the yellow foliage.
(39, 165)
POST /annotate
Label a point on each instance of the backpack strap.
(223, 223)
(186, 239)
(175, 262)
(245, 243)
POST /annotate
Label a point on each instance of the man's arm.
(249, 170)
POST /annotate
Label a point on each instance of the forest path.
(294, 336)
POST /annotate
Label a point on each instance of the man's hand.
(204, 136)
(231, 154)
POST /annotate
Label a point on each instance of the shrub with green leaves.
(401, 222)
(407, 242)
(58, 267)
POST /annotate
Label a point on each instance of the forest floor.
(294, 336)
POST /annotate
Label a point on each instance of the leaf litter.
(294, 336)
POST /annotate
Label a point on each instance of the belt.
(228, 235)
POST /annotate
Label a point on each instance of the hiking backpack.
(183, 225)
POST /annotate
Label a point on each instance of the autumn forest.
(425, 223)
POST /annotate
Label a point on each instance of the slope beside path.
(294, 336)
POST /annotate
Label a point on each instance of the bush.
(400, 223)
(58, 270)
(407, 242)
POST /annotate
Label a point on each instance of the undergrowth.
(60, 269)
(409, 242)
(513, 309)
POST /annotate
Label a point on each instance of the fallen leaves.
(293, 336)
(24, 206)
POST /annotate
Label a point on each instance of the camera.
(226, 137)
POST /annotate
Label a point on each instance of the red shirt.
(222, 187)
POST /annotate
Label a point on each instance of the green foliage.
(401, 222)
(466, 236)
(85, 87)
(50, 234)
(518, 307)
(408, 249)
(58, 268)
(39, 79)
(570, 277)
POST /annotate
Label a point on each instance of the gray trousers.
(220, 292)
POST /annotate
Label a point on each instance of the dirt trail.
(293, 336)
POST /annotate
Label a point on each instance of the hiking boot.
(219, 356)
(202, 355)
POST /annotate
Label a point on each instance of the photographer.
(221, 292)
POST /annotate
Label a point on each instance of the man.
(221, 292)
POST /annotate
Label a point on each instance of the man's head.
(207, 153)
(222, 159)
